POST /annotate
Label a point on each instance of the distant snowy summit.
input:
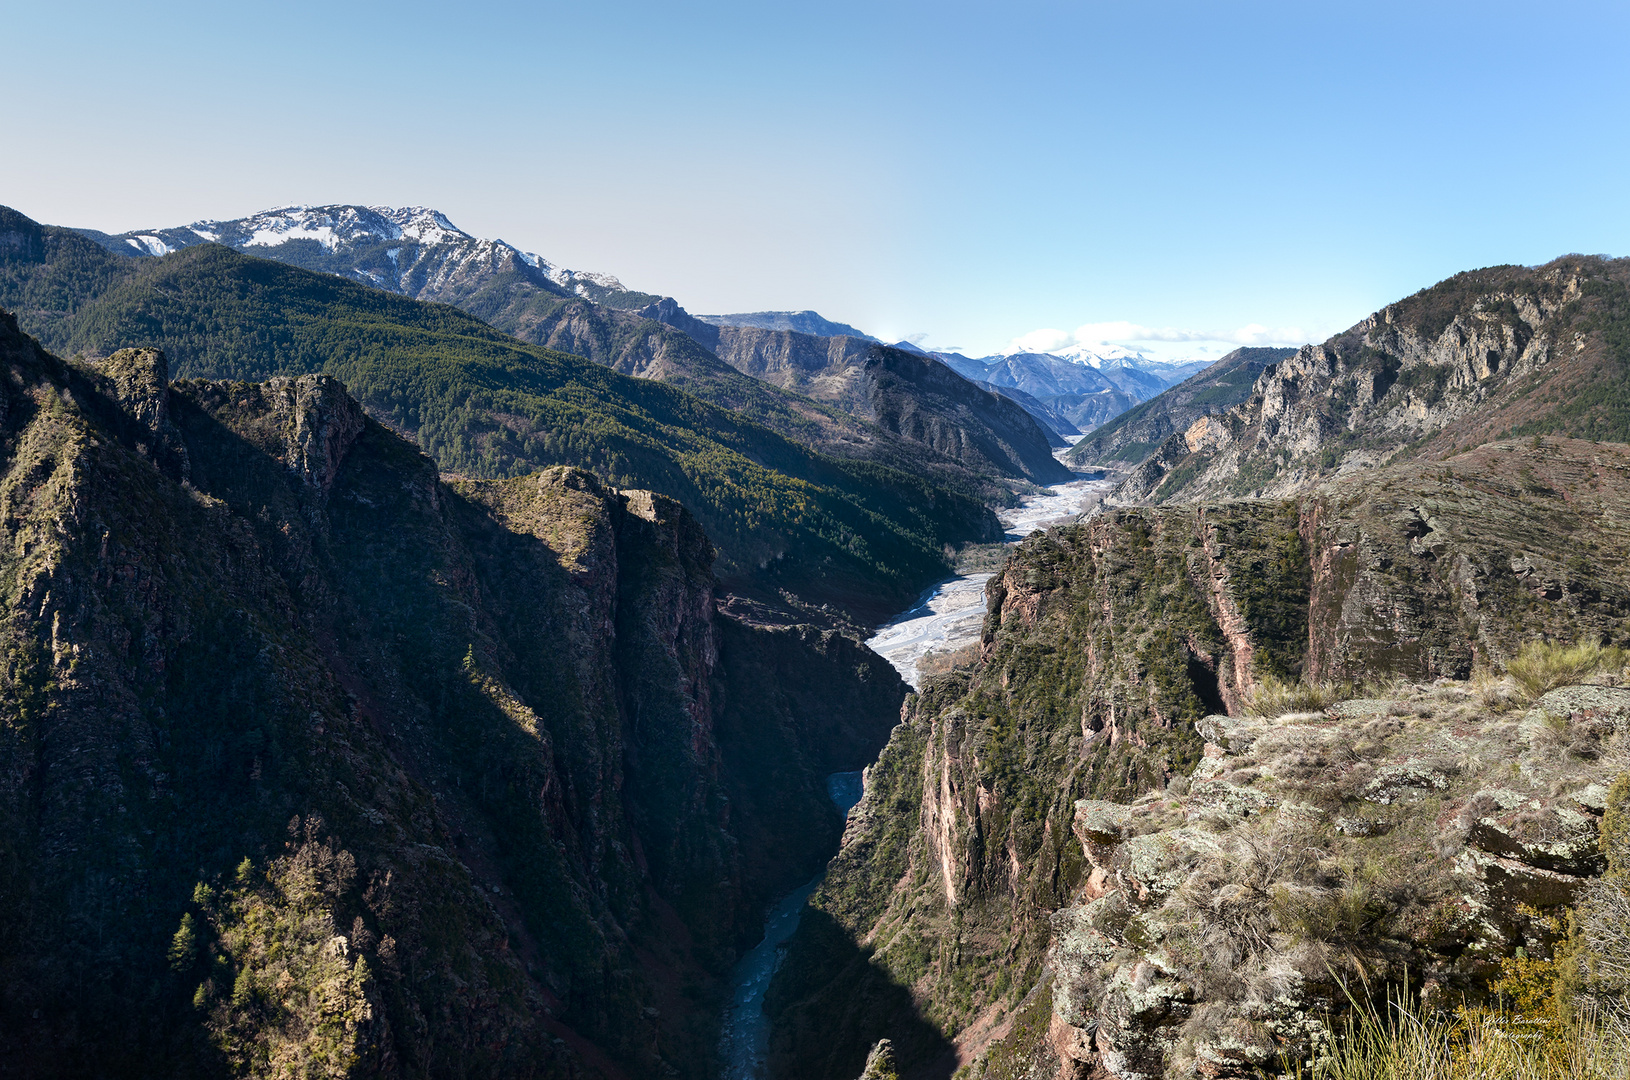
(416, 251)
(1087, 385)
(395, 248)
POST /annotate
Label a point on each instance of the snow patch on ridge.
(149, 245)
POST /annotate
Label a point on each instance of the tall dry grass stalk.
(1476, 1044)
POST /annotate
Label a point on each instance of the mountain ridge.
(420, 367)
(1498, 352)
(417, 252)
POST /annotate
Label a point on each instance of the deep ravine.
(948, 616)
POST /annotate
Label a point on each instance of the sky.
(1176, 177)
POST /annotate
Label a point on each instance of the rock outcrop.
(308, 755)
(1223, 922)
(1081, 854)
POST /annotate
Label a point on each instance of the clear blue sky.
(969, 172)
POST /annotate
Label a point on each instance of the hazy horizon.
(1178, 180)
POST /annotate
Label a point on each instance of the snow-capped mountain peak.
(421, 224)
(426, 249)
(1101, 356)
(332, 226)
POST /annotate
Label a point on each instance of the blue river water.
(745, 1041)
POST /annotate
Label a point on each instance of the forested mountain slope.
(1506, 351)
(312, 761)
(893, 390)
(862, 535)
(1070, 862)
(417, 252)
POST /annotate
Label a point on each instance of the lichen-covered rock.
(1217, 931)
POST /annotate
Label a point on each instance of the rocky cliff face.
(1079, 858)
(1492, 353)
(309, 760)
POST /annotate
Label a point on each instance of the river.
(947, 616)
(951, 614)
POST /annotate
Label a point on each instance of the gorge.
(387, 695)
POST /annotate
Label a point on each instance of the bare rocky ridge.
(308, 755)
(803, 322)
(1490, 353)
(1180, 919)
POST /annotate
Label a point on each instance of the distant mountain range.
(1135, 434)
(1084, 386)
(861, 527)
(870, 413)
(416, 251)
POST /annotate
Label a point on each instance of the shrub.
(1541, 665)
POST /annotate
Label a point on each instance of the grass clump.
(1542, 665)
(1492, 690)
(1277, 697)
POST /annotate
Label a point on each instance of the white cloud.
(1129, 333)
(1042, 341)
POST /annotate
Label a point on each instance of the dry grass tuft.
(1540, 665)
(1277, 697)
(1492, 690)
(1476, 1044)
